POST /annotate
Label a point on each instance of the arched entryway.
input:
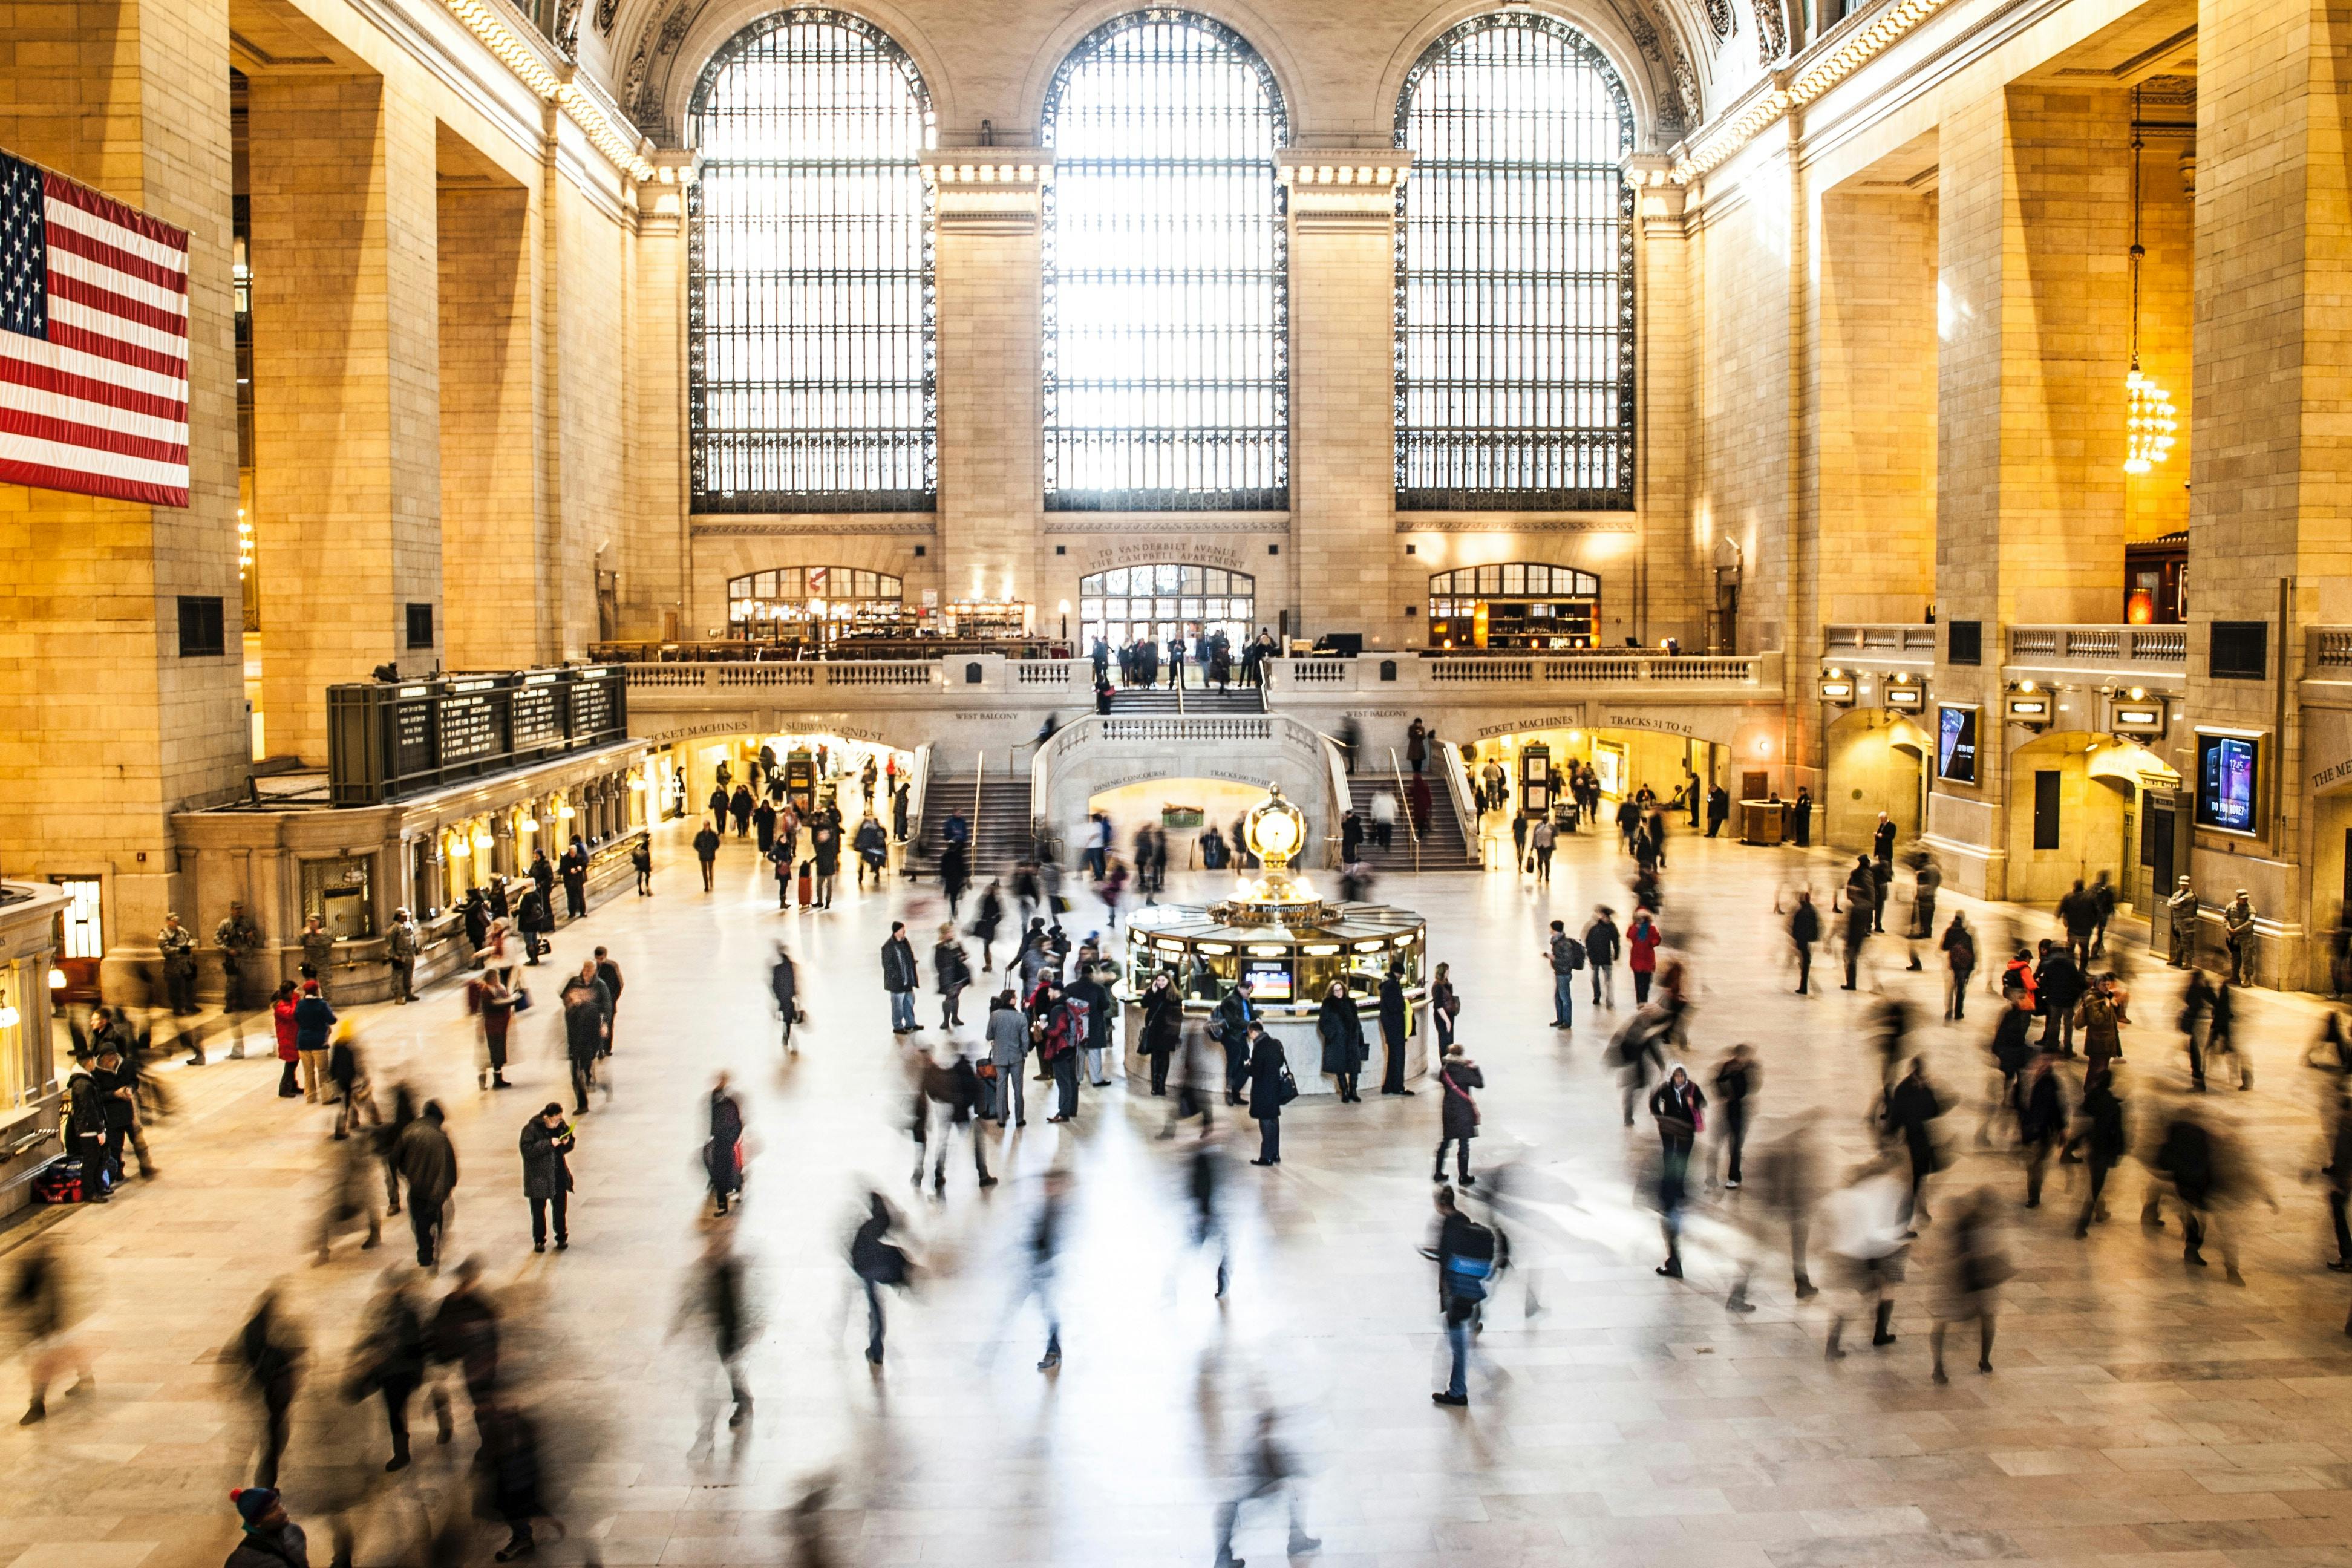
(2077, 800)
(1874, 760)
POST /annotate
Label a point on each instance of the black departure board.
(391, 741)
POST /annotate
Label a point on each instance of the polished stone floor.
(2141, 1412)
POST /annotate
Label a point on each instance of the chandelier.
(2148, 422)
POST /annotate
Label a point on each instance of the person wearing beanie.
(271, 1539)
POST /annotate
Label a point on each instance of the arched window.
(1153, 604)
(1166, 365)
(808, 317)
(1521, 605)
(790, 599)
(1515, 274)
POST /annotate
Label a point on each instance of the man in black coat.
(900, 978)
(575, 878)
(1269, 1073)
(587, 1014)
(547, 1174)
(706, 849)
(1392, 1033)
(1341, 1029)
(2057, 986)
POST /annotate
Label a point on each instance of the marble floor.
(2142, 1412)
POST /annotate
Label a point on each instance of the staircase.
(1442, 849)
(999, 834)
(1140, 701)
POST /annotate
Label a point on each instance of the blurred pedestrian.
(1864, 1222)
(547, 1142)
(348, 1073)
(1736, 1080)
(1162, 1028)
(428, 1163)
(350, 1199)
(2040, 1122)
(586, 1012)
(2103, 1142)
(723, 1151)
(1465, 1252)
(1969, 1285)
(878, 1264)
(1679, 1109)
(951, 971)
(1396, 1028)
(784, 985)
(1266, 1467)
(389, 1359)
(270, 1350)
(1046, 1238)
(493, 1001)
(464, 1333)
(47, 1308)
(1959, 948)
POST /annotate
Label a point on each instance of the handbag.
(522, 999)
(1289, 1084)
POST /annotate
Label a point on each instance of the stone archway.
(1874, 760)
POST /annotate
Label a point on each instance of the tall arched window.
(1515, 274)
(1166, 364)
(809, 323)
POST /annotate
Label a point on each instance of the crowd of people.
(1885, 1231)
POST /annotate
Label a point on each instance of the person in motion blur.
(389, 1358)
(270, 1350)
(1465, 1252)
(722, 1151)
(46, 1308)
(1266, 1467)
(587, 1025)
(878, 1264)
(1973, 1271)
(1864, 1221)
(428, 1163)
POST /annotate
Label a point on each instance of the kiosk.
(1290, 945)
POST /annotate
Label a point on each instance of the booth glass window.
(1153, 604)
(791, 603)
(809, 342)
(1515, 273)
(337, 892)
(1521, 605)
(1167, 375)
(81, 929)
(23, 1072)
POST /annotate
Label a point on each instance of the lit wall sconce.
(2029, 705)
(1837, 687)
(1904, 692)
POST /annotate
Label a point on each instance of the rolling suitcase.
(807, 883)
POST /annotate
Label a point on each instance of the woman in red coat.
(281, 1014)
(1642, 940)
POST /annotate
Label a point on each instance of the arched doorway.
(1141, 603)
(1520, 605)
(2076, 801)
(1874, 760)
(816, 604)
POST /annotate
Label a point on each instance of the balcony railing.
(1628, 669)
(1899, 640)
(2159, 649)
(2329, 652)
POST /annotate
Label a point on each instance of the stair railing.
(1457, 792)
(979, 772)
(1343, 797)
(1404, 808)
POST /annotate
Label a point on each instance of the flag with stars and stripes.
(93, 342)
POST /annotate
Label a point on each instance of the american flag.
(93, 342)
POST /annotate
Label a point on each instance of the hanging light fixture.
(2148, 423)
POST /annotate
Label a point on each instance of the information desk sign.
(394, 740)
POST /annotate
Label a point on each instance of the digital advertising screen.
(2228, 767)
(1269, 979)
(1955, 744)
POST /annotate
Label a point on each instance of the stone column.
(489, 467)
(347, 482)
(654, 593)
(2274, 374)
(1677, 586)
(1343, 514)
(2034, 225)
(988, 266)
(131, 97)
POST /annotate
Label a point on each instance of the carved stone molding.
(847, 527)
(987, 190)
(1068, 523)
(1510, 522)
(1344, 189)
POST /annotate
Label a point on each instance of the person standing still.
(1804, 930)
(1566, 956)
(899, 979)
(706, 850)
(1601, 947)
(400, 949)
(2238, 935)
(1269, 1085)
(177, 943)
(1396, 1023)
(1642, 940)
(1541, 841)
(547, 1142)
(239, 941)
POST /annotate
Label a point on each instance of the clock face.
(1277, 833)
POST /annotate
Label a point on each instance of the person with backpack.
(1059, 1028)
(1567, 955)
(1457, 1108)
(1465, 1252)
